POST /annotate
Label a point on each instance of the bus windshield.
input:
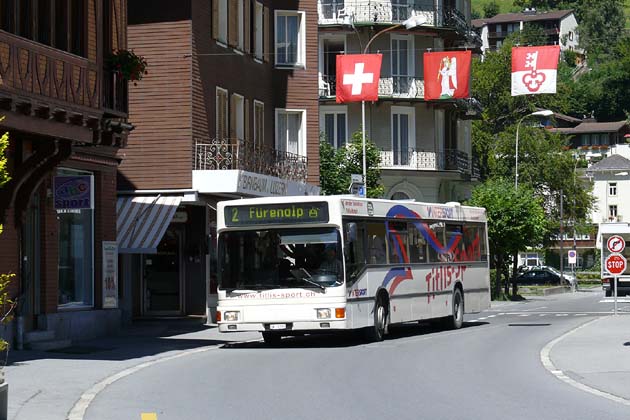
(280, 258)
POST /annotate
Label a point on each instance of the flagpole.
(363, 146)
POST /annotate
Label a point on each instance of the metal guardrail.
(389, 86)
(448, 160)
(226, 154)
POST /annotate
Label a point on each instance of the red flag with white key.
(534, 69)
(357, 77)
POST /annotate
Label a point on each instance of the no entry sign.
(615, 244)
(615, 264)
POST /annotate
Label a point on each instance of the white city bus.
(295, 265)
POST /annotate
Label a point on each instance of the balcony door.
(330, 47)
(403, 134)
(402, 64)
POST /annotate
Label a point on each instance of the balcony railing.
(36, 70)
(391, 86)
(448, 160)
(370, 12)
(115, 93)
(225, 154)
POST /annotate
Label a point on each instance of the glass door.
(162, 274)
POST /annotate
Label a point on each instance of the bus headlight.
(323, 313)
(230, 316)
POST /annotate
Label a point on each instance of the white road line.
(548, 364)
(562, 314)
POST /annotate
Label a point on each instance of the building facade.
(227, 110)
(66, 115)
(426, 151)
(559, 26)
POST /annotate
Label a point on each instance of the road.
(490, 369)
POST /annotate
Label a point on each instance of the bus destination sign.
(276, 214)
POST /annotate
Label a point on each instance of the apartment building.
(227, 110)
(426, 151)
(66, 115)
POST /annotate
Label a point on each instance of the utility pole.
(561, 237)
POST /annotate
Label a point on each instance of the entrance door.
(31, 264)
(162, 274)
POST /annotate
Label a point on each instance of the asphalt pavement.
(594, 357)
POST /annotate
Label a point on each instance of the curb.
(548, 364)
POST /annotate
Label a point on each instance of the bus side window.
(354, 251)
(454, 233)
(398, 243)
(438, 231)
(377, 252)
(417, 245)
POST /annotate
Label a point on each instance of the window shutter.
(215, 19)
(232, 23)
(247, 25)
(267, 33)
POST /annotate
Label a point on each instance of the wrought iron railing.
(448, 160)
(115, 92)
(391, 86)
(364, 12)
(225, 154)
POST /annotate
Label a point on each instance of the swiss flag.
(357, 77)
(446, 75)
(534, 69)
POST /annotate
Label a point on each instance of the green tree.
(490, 9)
(601, 26)
(532, 34)
(547, 4)
(515, 221)
(6, 304)
(337, 166)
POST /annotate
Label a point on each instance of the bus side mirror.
(351, 232)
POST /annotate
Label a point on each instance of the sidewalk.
(598, 355)
(46, 385)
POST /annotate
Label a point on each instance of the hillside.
(506, 6)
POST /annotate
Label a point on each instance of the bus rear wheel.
(271, 338)
(456, 319)
(381, 316)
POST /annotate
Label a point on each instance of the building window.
(222, 114)
(289, 38)
(403, 120)
(402, 64)
(76, 249)
(612, 212)
(290, 136)
(220, 20)
(612, 189)
(258, 31)
(334, 124)
(237, 117)
(259, 123)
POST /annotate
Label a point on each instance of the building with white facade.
(560, 26)
(426, 148)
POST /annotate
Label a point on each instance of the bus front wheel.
(456, 319)
(381, 315)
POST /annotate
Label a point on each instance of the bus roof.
(350, 205)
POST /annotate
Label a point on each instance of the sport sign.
(615, 264)
(615, 244)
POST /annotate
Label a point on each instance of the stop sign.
(615, 264)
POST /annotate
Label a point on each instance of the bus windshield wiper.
(305, 276)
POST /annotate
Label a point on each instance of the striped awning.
(142, 221)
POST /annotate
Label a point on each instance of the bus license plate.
(277, 326)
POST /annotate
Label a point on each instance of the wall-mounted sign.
(74, 192)
(290, 213)
(110, 274)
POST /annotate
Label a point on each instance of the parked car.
(623, 286)
(544, 275)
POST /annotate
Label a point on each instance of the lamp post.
(410, 23)
(543, 113)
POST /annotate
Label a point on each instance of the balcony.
(51, 77)
(406, 87)
(411, 159)
(370, 12)
(115, 94)
(227, 154)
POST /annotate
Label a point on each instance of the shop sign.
(74, 192)
(110, 274)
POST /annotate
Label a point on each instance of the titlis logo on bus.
(357, 293)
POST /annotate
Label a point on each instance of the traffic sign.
(572, 256)
(615, 244)
(356, 178)
(615, 264)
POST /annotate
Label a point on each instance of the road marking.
(148, 416)
(562, 314)
(612, 300)
(548, 364)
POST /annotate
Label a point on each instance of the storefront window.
(76, 247)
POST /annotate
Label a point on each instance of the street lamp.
(543, 113)
(412, 22)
